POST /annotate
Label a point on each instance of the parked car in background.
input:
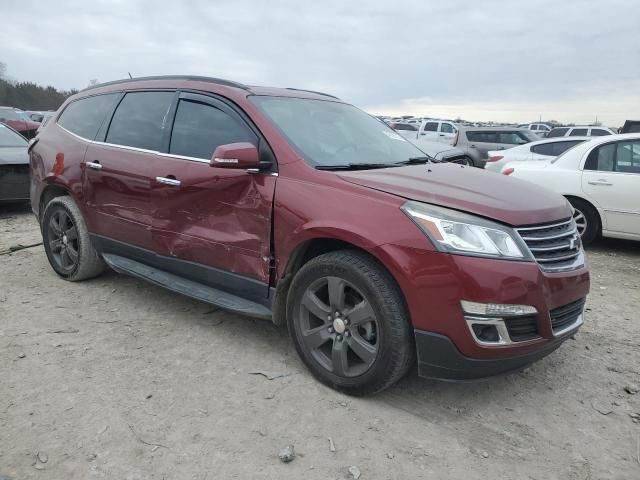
(601, 179)
(541, 129)
(546, 149)
(297, 207)
(442, 131)
(19, 121)
(437, 150)
(476, 142)
(14, 166)
(39, 116)
(580, 131)
(631, 126)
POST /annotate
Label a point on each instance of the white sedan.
(600, 178)
(541, 150)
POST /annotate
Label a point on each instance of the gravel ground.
(116, 378)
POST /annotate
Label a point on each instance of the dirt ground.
(116, 378)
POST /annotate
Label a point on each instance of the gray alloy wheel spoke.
(65, 258)
(362, 348)
(336, 292)
(339, 358)
(71, 233)
(581, 222)
(361, 313)
(316, 306)
(317, 337)
(54, 223)
(55, 245)
(72, 253)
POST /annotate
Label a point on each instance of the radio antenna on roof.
(130, 75)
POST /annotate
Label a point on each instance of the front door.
(611, 178)
(118, 170)
(212, 224)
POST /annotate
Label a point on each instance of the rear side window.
(200, 128)
(140, 119)
(404, 126)
(431, 127)
(557, 132)
(599, 132)
(578, 132)
(482, 137)
(85, 116)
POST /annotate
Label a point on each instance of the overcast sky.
(482, 60)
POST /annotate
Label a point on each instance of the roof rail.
(218, 81)
(313, 91)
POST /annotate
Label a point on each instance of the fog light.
(496, 309)
(486, 333)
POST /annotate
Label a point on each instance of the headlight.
(456, 232)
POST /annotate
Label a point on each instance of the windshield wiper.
(355, 166)
(415, 161)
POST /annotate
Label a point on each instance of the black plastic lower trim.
(438, 358)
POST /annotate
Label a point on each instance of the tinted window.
(85, 116)
(482, 137)
(431, 127)
(9, 138)
(543, 149)
(140, 119)
(446, 128)
(628, 157)
(560, 147)
(557, 132)
(598, 132)
(578, 132)
(533, 127)
(602, 158)
(513, 138)
(404, 126)
(200, 128)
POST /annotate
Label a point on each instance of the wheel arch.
(50, 192)
(603, 221)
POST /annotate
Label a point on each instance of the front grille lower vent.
(556, 247)
(567, 315)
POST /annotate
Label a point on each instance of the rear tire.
(368, 345)
(587, 220)
(67, 243)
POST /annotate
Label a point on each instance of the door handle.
(472, 146)
(95, 165)
(168, 181)
(600, 182)
(442, 134)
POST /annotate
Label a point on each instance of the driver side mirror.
(241, 155)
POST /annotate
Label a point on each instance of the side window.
(511, 138)
(85, 116)
(628, 157)
(544, 128)
(599, 132)
(482, 137)
(533, 127)
(140, 119)
(543, 149)
(558, 132)
(431, 127)
(578, 132)
(601, 158)
(446, 128)
(199, 128)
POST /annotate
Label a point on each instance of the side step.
(187, 287)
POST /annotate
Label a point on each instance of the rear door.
(481, 142)
(118, 168)
(611, 178)
(212, 224)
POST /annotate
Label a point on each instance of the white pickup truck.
(442, 131)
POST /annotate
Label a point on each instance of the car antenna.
(130, 75)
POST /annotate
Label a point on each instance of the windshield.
(9, 138)
(331, 134)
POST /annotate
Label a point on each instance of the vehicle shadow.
(9, 210)
(615, 245)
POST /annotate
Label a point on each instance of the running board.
(187, 287)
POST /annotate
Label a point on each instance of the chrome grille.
(556, 246)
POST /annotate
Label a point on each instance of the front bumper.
(439, 359)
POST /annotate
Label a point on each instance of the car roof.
(560, 139)
(477, 129)
(212, 84)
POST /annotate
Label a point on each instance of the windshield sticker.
(394, 135)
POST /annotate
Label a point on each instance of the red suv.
(295, 206)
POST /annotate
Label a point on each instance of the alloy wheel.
(339, 327)
(581, 221)
(63, 240)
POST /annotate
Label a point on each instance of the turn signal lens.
(495, 158)
(496, 309)
(508, 171)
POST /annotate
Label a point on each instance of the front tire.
(587, 220)
(349, 323)
(67, 243)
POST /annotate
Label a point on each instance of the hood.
(13, 155)
(498, 197)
